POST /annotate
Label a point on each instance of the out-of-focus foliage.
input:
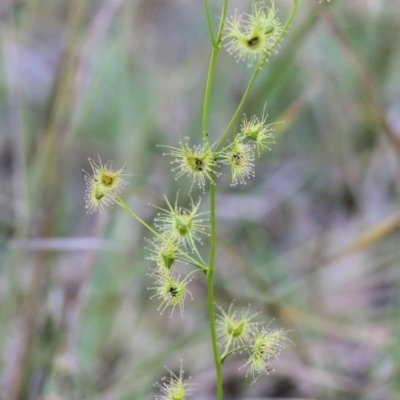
(312, 240)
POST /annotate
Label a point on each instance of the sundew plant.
(178, 232)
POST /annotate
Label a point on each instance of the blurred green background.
(312, 241)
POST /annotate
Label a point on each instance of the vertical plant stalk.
(216, 43)
(210, 296)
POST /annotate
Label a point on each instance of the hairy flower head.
(240, 156)
(258, 132)
(171, 291)
(174, 387)
(234, 329)
(252, 37)
(163, 253)
(180, 224)
(265, 345)
(102, 185)
(197, 162)
(96, 199)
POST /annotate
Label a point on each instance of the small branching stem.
(209, 21)
(191, 260)
(228, 353)
(238, 109)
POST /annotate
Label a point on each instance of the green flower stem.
(210, 286)
(254, 75)
(222, 23)
(216, 43)
(239, 108)
(122, 204)
(210, 76)
(191, 273)
(209, 22)
(224, 354)
(228, 353)
(207, 94)
(197, 252)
